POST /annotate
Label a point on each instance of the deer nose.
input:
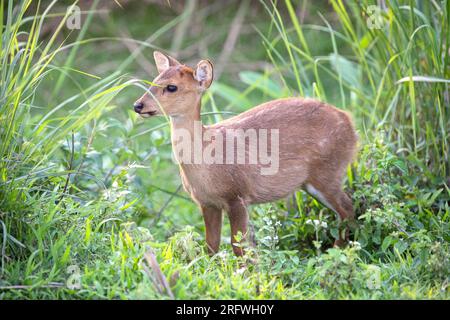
(138, 106)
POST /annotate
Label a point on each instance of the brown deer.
(316, 144)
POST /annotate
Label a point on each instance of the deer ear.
(164, 62)
(204, 74)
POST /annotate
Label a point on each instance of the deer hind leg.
(332, 196)
(238, 216)
(213, 226)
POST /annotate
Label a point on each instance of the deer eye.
(172, 88)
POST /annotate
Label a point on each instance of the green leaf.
(401, 246)
(335, 233)
(348, 70)
(423, 79)
(87, 237)
(262, 82)
(386, 243)
(66, 255)
(232, 95)
(129, 204)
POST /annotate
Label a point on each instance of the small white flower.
(317, 223)
(355, 244)
(240, 271)
(222, 254)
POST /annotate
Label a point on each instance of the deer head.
(177, 89)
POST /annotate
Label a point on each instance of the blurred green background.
(89, 193)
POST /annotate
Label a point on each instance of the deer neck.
(187, 138)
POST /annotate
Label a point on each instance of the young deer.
(316, 144)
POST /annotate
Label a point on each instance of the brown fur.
(317, 143)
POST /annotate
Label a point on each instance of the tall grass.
(42, 210)
(52, 218)
(390, 69)
(28, 138)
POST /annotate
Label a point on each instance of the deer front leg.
(213, 226)
(238, 216)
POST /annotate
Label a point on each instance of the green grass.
(89, 194)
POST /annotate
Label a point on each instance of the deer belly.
(287, 180)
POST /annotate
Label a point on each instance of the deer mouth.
(147, 114)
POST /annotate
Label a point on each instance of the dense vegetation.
(90, 201)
